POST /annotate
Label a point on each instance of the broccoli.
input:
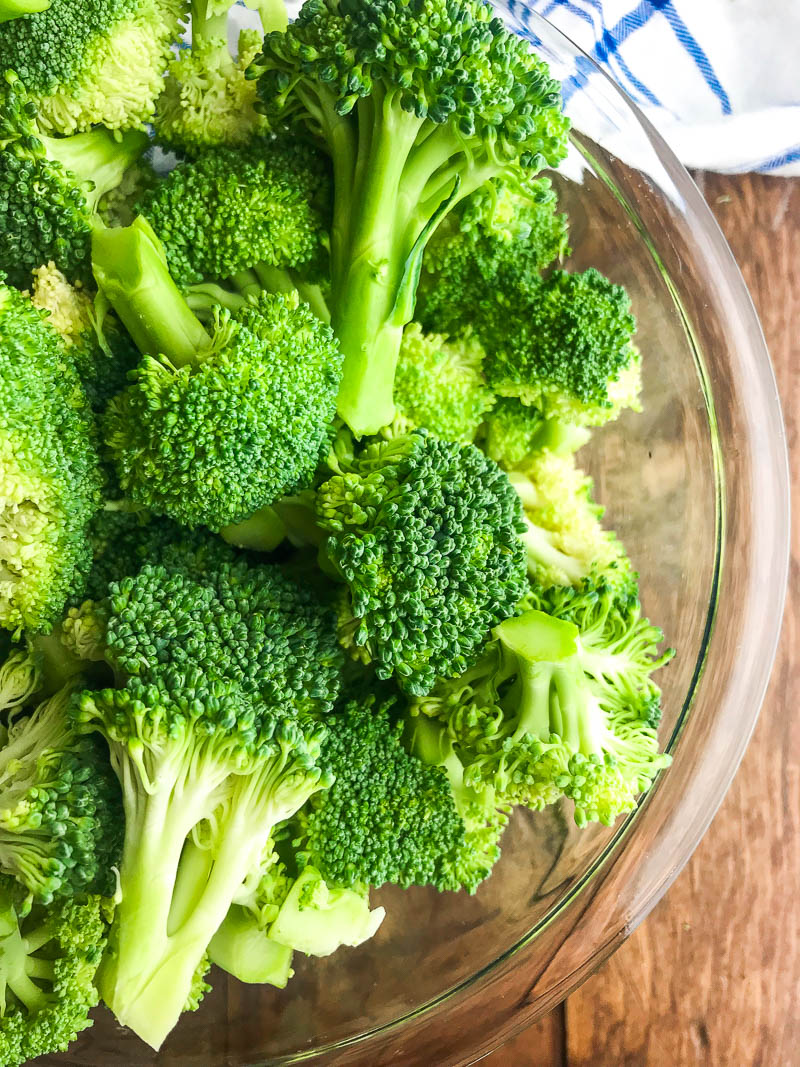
(263, 207)
(211, 428)
(513, 431)
(20, 678)
(426, 534)
(50, 187)
(388, 817)
(562, 345)
(102, 351)
(496, 238)
(49, 472)
(531, 721)
(190, 751)
(48, 960)
(207, 99)
(419, 104)
(93, 61)
(13, 9)
(564, 539)
(440, 386)
(60, 810)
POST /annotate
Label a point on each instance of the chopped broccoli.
(440, 386)
(563, 536)
(102, 351)
(562, 345)
(60, 810)
(495, 238)
(513, 431)
(93, 61)
(244, 950)
(208, 100)
(532, 721)
(50, 187)
(212, 428)
(388, 817)
(426, 534)
(48, 960)
(419, 104)
(190, 751)
(233, 209)
(49, 473)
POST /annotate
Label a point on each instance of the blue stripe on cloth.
(792, 155)
(695, 50)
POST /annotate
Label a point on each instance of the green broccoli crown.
(49, 187)
(208, 100)
(60, 809)
(531, 723)
(49, 473)
(48, 960)
(618, 647)
(101, 349)
(93, 61)
(495, 237)
(563, 345)
(564, 538)
(388, 817)
(440, 386)
(451, 63)
(236, 207)
(426, 534)
(230, 620)
(513, 431)
(212, 443)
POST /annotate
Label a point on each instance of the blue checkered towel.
(720, 79)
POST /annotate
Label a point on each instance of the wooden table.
(712, 977)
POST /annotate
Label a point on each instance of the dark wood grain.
(712, 977)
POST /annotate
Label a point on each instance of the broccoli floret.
(194, 755)
(93, 61)
(50, 187)
(60, 809)
(564, 538)
(388, 817)
(419, 104)
(48, 960)
(49, 472)
(242, 622)
(208, 100)
(531, 721)
(440, 386)
(261, 207)
(20, 678)
(513, 431)
(562, 345)
(13, 9)
(102, 351)
(426, 534)
(495, 238)
(212, 428)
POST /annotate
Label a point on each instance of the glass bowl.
(697, 487)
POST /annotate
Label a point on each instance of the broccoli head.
(50, 187)
(419, 104)
(60, 809)
(426, 534)
(212, 428)
(496, 237)
(49, 472)
(562, 345)
(207, 100)
(388, 817)
(440, 386)
(48, 961)
(532, 722)
(239, 208)
(93, 61)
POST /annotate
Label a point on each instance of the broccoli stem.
(97, 157)
(273, 14)
(131, 269)
(206, 25)
(262, 532)
(12, 9)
